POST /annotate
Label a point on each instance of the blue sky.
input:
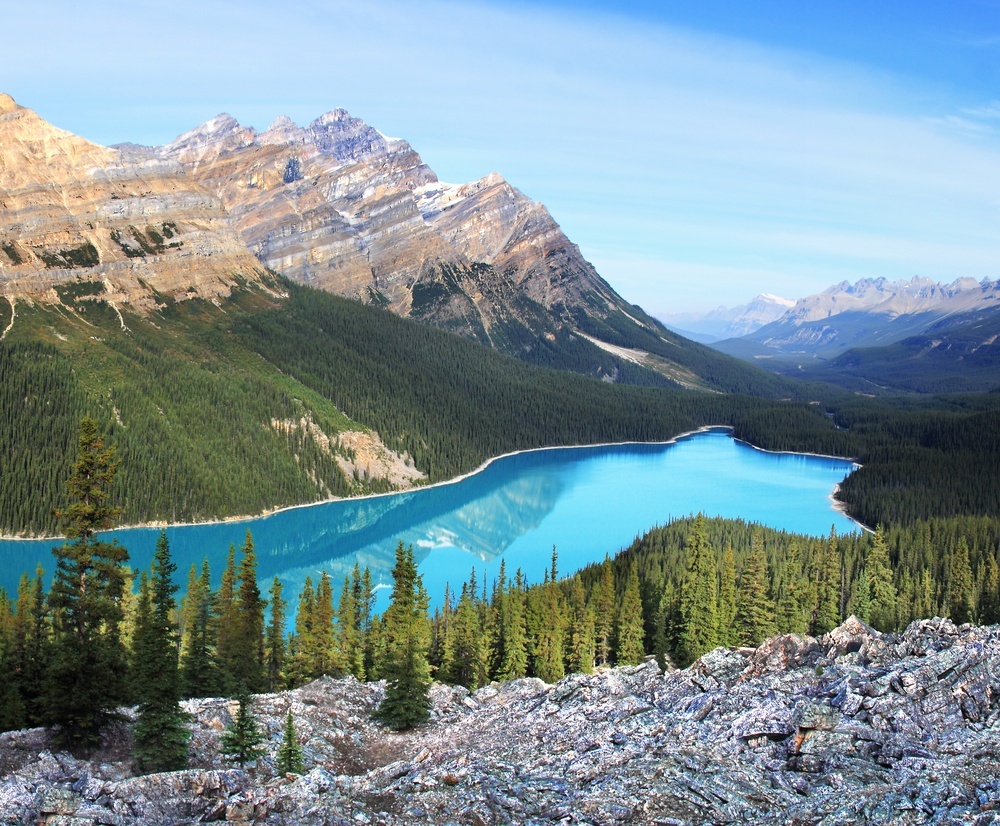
(698, 152)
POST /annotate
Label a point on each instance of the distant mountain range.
(729, 322)
(882, 335)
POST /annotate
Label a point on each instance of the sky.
(699, 152)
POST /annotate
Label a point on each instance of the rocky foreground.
(853, 727)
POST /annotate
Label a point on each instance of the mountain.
(852, 727)
(729, 322)
(954, 355)
(335, 205)
(72, 208)
(870, 312)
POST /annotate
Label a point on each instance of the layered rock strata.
(72, 210)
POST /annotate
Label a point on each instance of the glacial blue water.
(586, 501)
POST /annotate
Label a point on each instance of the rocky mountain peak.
(7, 103)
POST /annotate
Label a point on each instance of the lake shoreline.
(228, 520)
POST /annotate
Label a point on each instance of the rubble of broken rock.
(852, 727)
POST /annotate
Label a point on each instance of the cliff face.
(854, 727)
(70, 208)
(338, 205)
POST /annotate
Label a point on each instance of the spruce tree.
(274, 643)
(826, 616)
(580, 649)
(406, 642)
(161, 736)
(699, 631)
(604, 613)
(754, 608)
(242, 741)
(31, 652)
(880, 581)
(289, 759)
(789, 614)
(85, 681)
(727, 597)
(513, 634)
(467, 665)
(989, 595)
(225, 619)
(630, 648)
(960, 598)
(199, 671)
(247, 663)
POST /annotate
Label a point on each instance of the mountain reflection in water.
(586, 501)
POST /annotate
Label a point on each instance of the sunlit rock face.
(340, 206)
(71, 209)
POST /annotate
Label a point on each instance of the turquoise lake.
(587, 501)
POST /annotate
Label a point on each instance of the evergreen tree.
(826, 616)
(604, 613)
(225, 616)
(404, 662)
(754, 609)
(545, 630)
(30, 654)
(350, 637)
(630, 649)
(580, 650)
(242, 741)
(274, 643)
(324, 637)
(513, 634)
(247, 663)
(11, 706)
(727, 597)
(789, 615)
(302, 643)
(860, 603)
(85, 682)
(199, 673)
(880, 580)
(960, 598)
(161, 735)
(467, 664)
(290, 758)
(989, 596)
(699, 620)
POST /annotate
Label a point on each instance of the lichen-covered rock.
(855, 727)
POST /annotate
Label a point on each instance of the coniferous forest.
(102, 636)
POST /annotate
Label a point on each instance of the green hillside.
(235, 409)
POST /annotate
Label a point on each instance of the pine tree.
(198, 669)
(467, 664)
(161, 735)
(604, 613)
(880, 580)
(350, 638)
(290, 758)
(580, 650)
(326, 659)
(630, 649)
(727, 597)
(513, 634)
(699, 620)
(242, 741)
(274, 643)
(247, 664)
(85, 682)
(11, 706)
(31, 651)
(960, 598)
(860, 603)
(225, 616)
(989, 596)
(826, 616)
(404, 662)
(789, 615)
(754, 609)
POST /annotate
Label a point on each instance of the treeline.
(193, 396)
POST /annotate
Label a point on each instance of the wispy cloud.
(661, 151)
